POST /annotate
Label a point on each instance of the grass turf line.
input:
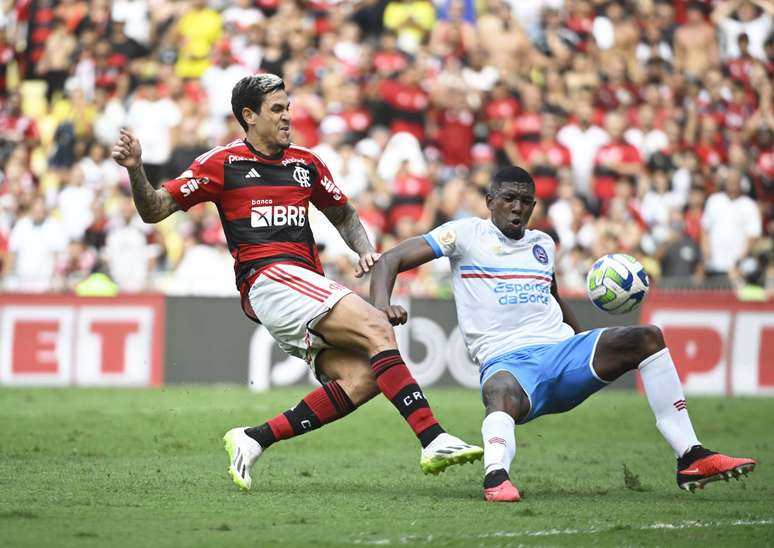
(101, 467)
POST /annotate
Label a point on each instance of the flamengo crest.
(301, 176)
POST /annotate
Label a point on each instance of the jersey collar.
(260, 154)
(503, 237)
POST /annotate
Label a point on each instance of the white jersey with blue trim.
(502, 287)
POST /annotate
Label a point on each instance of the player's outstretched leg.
(622, 348)
(245, 444)
(335, 399)
(353, 323)
(504, 400)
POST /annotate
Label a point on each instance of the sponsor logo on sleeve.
(193, 183)
(331, 188)
(447, 237)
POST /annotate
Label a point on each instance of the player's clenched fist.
(127, 151)
(396, 314)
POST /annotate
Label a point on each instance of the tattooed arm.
(347, 222)
(152, 205)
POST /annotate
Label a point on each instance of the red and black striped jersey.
(263, 202)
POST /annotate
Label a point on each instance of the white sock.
(667, 400)
(499, 441)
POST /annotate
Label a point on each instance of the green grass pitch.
(101, 467)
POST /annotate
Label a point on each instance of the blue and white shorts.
(556, 377)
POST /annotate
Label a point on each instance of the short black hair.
(250, 92)
(510, 174)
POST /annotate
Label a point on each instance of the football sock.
(396, 383)
(495, 478)
(667, 400)
(321, 406)
(499, 441)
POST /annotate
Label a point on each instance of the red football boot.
(700, 466)
(498, 487)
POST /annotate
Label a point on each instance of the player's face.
(511, 208)
(272, 123)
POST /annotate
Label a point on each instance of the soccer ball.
(617, 283)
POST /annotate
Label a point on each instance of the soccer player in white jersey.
(533, 357)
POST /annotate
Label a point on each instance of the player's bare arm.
(567, 313)
(152, 205)
(347, 222)
(405, 256)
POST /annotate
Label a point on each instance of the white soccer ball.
(617, 283)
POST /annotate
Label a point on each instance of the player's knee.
(378, 332)
(650, 338)
(501, 394)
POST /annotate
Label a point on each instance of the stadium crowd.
(647, 124)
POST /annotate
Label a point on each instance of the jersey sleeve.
(550, 245)
(201, 182)
(325, 193)
(446, 240)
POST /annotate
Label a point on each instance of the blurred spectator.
(152, 118)
(412, 20)
(614, 160)
(696, 49)
(99, 171)
(189, 146)
(217, 81)
(128, 255)
(735, 17)
(658, 205)
(198, 31)
(33, 247)
(134, 14)
(207, 268)
(583, 138)
(454, 121)
(74, 265)
(74, 204)
(544, 159)
(730, 222)
(752, 270)
(54, 66)
(645, 135)
(15, 127)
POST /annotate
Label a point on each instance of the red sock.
(397, 384)
(321, 406)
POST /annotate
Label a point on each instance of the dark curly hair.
(250, 92)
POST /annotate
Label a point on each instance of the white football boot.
(242, 451)
(446, 450)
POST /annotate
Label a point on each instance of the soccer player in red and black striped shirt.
(262, 186)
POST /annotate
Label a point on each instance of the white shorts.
(289, 300)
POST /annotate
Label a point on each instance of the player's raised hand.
(396, 314)
(127, 151)
(366, 262)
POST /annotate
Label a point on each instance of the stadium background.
(635, 118)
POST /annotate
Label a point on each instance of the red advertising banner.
(91, 341)
(719, 344)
